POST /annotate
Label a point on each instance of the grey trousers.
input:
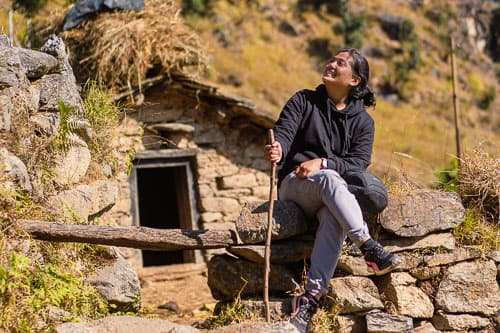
(325, 195)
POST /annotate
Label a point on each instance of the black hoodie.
(311, 127)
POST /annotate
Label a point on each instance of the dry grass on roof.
(120, 47)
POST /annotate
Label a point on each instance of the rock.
(36, 64)
(458, 322)
(391, 25)
(6, 109)
(469, 287)
(351, 324)
(457, 255)
(421, 212)
(74, 163)
(288, 221)
(171, 306)
(90, 200)
(226, 206)
(237, 181)
(354, 294)
(55, 47)
(226, 274)
(209, 217)
(119, 284)
(425, 327)
(354, 265)
(14, 86)
(46, 122)
(425, 273)
(15, 168)
(172, 127)
(256, 327)
(409, 300)
(55, 88)
(441, 240)
(125, 324)
(381, 322)
(279, 308)
(281, 253)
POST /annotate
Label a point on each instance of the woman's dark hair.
(361, 69)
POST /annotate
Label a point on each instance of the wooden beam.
(135, 237)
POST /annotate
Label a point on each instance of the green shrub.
(103, 115)
(477, 231)
(30, 287)
(448, 177)
(351, 26)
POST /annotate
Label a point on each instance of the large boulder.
(118, 283)
(229, 277)
(89, 200)
(288, 220)
(36, 64)
(421, 212)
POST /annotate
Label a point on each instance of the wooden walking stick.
(267, 251)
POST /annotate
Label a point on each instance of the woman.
(320, 135)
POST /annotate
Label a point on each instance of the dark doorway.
(164, 199)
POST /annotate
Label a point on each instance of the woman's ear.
(355, 81)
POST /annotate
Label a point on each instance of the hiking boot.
(378, 258)
(303, 308)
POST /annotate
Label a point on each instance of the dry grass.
(120, 48)
(480, 183)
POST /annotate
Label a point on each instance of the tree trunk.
(135, 237)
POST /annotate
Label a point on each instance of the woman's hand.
(273, 152)
(308, 168)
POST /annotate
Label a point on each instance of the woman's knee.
(330, 179)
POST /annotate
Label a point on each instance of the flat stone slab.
(125, 324)
(288, 221)
(381, 322)
(440, 240)
(421, 212)
(281, 253)
(256, 327)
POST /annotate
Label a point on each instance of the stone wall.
(69, 183)
(439, 286)
(230, 168)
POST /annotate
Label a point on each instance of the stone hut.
(199, 160)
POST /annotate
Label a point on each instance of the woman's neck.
(338, 96)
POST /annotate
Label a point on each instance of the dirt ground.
(181, 289)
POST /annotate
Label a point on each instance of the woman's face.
(338, 71)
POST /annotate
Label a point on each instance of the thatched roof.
(194, 88)
(123, 48)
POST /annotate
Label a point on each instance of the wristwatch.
(324, 163)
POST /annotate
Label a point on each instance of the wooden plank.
(134, 237)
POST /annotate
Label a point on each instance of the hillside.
(267, 50)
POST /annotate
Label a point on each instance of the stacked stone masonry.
(33, 85)
(439, 287)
